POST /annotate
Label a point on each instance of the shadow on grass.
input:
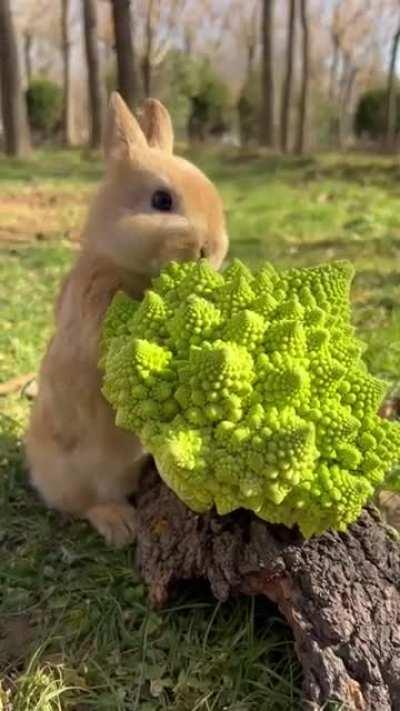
(11, 466)
(75, 625)
(253, 167)
(55, 164)
(77, 164)
(385, 174)
(352, 168)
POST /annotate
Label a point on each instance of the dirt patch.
(16, 635)
(41, 215)
(389, 503)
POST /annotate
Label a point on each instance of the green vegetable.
(250, 391)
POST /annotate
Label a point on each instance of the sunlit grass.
(91, 641)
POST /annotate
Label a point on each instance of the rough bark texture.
(305, 72)
(28, 41)
(124, 50)
(350, 72)
(93, 68)
(68, 129)
(16, 141)
(267, 89)
(287, 84)
(340, 593)
(390, 109)
(146, 64)
(334, 65)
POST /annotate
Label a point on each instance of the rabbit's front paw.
(115, 521)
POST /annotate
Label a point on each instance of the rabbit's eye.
(161, 200)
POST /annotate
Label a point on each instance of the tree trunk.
(344, 99)
(146, 75)
(13, 106)
(251, 52)
(304, 79)
(287, 84)
(188, 38)
(345, 118)
(28, 56)
(267, 88)
(336, 41)
(391, 95)
(334, 66)
(148, 50)
(68, 134)
(93, 69)
(124, 49)
(340, 593)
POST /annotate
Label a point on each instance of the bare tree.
(68, 134)
(38, 23)
(124, 50)
(351, 67)
(146, 63)
(335, 36)
(203, 24)
(355, 31)
(267, 87)
(391, 94)
(154, 46)
(244, 25)
(246, 30)
(158, 19)
(93, 68)
(16, 140)
(287, 84)
(305, 70)
(28, 55)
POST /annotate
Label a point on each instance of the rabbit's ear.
(122, 133)
(157, 125)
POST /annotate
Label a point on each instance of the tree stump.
(340, 593)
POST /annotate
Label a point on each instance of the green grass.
(75, 628)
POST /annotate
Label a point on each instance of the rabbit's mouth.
(203, 253)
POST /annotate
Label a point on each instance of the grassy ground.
(75, 629)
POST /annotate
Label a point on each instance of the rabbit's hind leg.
(115, 521)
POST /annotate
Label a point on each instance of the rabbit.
(151, 208)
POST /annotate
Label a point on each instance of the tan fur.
(79, 461)
(156, 124)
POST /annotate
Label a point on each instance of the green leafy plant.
(248, 109)
(250, 391)
(44, 102)
(370, 116)
(200, 93)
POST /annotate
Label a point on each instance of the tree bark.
(148, 50)
(267, 137)
(287, 84)
(124, 50)
(391, 95)
(336, 37)
(28, 56)
(334, 66)
(345, 117)
(340, 593)
(68, 130)
(305, 70)
(188, 41)
(146, 75)
(13, 107)
(93, 69)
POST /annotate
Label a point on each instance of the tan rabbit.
(151, 208)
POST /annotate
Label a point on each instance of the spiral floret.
(250, 391)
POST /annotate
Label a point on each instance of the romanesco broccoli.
(250, 391)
